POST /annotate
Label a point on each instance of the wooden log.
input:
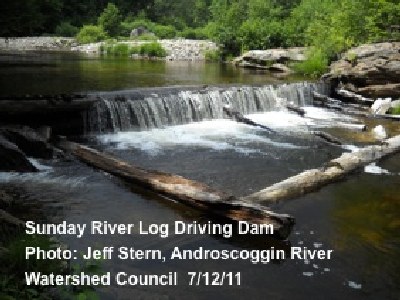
(298, 110)
(238, 117)
(327, 137)
(189, 192)
(334, 170)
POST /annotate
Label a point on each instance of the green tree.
(110, 19)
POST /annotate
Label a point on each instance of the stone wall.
(37, 43)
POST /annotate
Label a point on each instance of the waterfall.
(154, 108)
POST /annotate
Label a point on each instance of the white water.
(222, 134)
(217, 135)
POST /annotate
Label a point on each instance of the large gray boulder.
(372, 70)
(274, 60)
(12, 158)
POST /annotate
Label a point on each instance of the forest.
(328, 27)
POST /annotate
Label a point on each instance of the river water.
(357, 218)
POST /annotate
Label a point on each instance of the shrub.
(90, 34)
(213, 55)
(315, 65)
(66, 29)
(164, 32)
(395, 110)
(153, 50)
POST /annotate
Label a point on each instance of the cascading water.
(133, 110)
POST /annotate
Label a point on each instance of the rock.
(271, 59)
(12, 158)
(141, 30)
(29, 141)
(381, 106)
(280, 68)
(371, 70)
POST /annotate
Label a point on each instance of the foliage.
(315, 65)
(66, 29)
(153, 50)
(164, 32)
(194, 33)
(91, 34)
(110, 20)
(118, 49)
(213, 55)
(395, 110)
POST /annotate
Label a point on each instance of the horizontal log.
(334, 170)
(238, 117)
(189, 192)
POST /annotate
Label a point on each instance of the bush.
(315, 65)
(395, 110)
(119, 49)
(91, 34)
(66, 29)
(164, 32)
(213, 55)
(153, 50)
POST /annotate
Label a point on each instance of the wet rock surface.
(29, 141)
(12, 158)
(372, 70)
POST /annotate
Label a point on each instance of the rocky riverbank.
(177, 49)
(371, 70)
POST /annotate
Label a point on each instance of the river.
(357, 218)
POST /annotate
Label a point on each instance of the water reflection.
(51, 73)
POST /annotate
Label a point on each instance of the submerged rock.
(12, 158)
(372, 70)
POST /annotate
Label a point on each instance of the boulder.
(141, 30)
(275, 60)
(372, 70)
(12, 158)
(29, 141)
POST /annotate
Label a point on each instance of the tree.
(110, 19)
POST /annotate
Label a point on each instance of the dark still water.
(38, 73)
(357, 218)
